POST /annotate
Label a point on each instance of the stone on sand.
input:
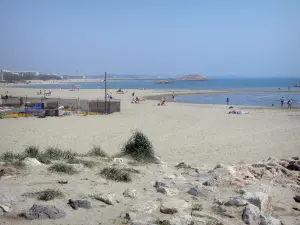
(251, 214)
(130, 193)
(75, 204)
(31, 162)
(41, 212)
(174, 205)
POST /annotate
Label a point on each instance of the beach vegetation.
(18, 164)
(10, 156)
(116, 174)
(139, 148)
(32, 152)
(97, 151)
(86, 163)
(197, 207)
(62, 168)
(163, 222)
(54, 153)
(45, 195)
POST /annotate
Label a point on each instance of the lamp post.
(105, 101)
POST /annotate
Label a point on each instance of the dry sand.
(198, 134)
(201, 135)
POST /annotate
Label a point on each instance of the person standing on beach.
(173, 96)
(133, 94)
(282, 101)
(227, 101)
(290, 104)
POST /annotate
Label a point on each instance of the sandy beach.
(200, 135)
(179, 131)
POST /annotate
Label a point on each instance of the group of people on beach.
(289, 103)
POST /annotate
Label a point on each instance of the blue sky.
(157, 37)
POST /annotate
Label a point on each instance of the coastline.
(153, 95)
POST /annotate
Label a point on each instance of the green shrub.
(31, 152)
(197, 207)
(116, 174)
(57, 154)
(46, 195)
(62, 168)
(97, 151)
(18, 164)
(49, 194)
(139, 148)
(10, 156)
(86, 163)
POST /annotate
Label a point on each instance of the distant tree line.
(9, 77)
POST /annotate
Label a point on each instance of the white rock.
(251, 214)
(259, 199)
(269, 220)
(31, 162)
(7, 202)
(146, 207)
(130, 193)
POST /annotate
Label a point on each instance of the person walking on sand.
(133, 94)
(282, 101)
(290, 102)
(227, 101)
(173, 96)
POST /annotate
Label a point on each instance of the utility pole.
(105, 101)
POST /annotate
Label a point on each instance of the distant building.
(65, 77)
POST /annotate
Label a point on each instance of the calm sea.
(214, 84)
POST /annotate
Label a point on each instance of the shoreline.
(150, 94)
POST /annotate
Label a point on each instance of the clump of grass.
(46, 195)
(16, 164)
(57, 154)
(97, 151)
(116, 174)
(86, 163)
(32, 152)
(49, 194)
(43, 159)
(9, 156)
(74, 161)
(197, 207)
(163, 222)
(62, 168)
(139, 148)
(131, 170)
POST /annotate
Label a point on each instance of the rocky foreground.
(265, 193)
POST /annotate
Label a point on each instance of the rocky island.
(193, 77)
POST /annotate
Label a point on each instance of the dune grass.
(9, 156)
(18, 164)
(197, 207)
(62, 168)
(46, 195)
(97, 151)
(31, 152)
(116, 174)
(58, 154)
(86, 163)
(139, 148)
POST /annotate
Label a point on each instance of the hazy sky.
(152, 37)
